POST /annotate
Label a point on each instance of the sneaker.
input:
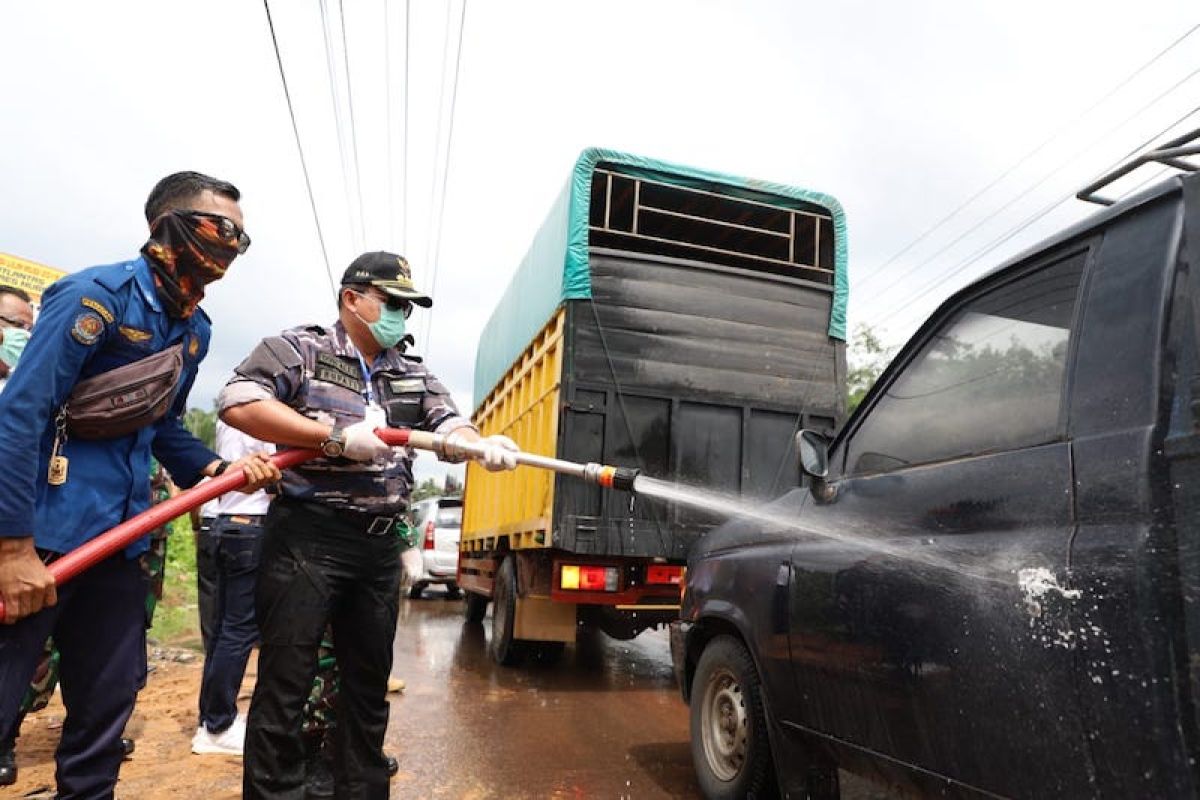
(228, 742)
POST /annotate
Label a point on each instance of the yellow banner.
(28, 275)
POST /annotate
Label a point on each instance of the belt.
(371, 524)
(244, 519)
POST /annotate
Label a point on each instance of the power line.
(404, 154)
(299, 148)
(1024, 159)
(1021, 226)
(437, 247)
(337, 115)
(387, 93)
(437, 140)
(362, 233)
(930, 259)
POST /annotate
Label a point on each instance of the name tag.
(407, 385)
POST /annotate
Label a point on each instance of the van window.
(989, 379)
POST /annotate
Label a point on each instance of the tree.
(868, 358)
(203, 425)
(424, 490)
(453, 485)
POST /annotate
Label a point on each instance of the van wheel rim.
(724, 726)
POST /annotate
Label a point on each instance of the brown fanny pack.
(128, 398)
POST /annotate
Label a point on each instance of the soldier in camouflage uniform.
(154, 560)
(330, 555)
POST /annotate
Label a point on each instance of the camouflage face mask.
(188, 250)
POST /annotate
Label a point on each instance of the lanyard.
(367, 379)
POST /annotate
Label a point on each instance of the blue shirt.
(91, 322)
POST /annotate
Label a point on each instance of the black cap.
(387, 271)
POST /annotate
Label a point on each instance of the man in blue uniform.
(330, 553)
(64, 487)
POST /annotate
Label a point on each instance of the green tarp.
(556, 267)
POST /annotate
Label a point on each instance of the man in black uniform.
(329, 551)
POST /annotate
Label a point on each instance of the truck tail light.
(429, 527)
(588, 579)
(664, 575)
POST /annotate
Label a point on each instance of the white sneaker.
(228, 742)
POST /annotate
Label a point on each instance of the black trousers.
(99, 627)
(317, 568)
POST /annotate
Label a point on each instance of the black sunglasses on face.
(227, 229)
(393, 303)
(16, 323)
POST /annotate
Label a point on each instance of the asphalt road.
(605, 721)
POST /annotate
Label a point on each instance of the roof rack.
(1170, 153)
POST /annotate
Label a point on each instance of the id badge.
(375, 415)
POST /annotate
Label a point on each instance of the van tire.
(475, 607)
(503, 648)
(730, 748)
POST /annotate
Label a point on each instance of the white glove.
(363, 445)
(499, 453)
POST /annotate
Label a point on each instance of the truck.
(987, 584)
(675, 320)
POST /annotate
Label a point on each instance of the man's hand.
(495, 452)
(259, 471)
(26, 586)
(363, 445)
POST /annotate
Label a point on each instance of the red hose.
(92, 552)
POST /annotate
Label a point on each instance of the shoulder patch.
(135, 335)
(87, 328)
(98, 307)
(194, 346)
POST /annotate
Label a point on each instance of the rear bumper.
(679, 634)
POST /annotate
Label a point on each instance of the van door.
(933, 629)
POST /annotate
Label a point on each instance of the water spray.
(118, 538)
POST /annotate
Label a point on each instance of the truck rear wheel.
(730, 749)
(475, 607)
(503, 648)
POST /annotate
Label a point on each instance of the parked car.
(989, 584)
(438, 521)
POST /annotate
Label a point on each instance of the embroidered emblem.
(98, 307)
(194, 346)
(134, 335)
(87, 328)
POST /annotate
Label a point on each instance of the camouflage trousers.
(320, 709)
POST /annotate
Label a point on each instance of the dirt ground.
(162, 725)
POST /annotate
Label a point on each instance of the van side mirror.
(813, 448)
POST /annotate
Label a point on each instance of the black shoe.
(393, 764)
(8, 766)
(127, 747)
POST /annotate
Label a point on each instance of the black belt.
(371, 524)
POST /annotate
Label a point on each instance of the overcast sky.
(902, 111)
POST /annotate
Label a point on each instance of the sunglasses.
(393, 303)
(16, 323)
(227, 229)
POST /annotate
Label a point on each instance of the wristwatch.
(335, 445)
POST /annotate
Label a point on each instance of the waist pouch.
(128, 398)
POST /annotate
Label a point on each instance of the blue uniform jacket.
(90, 322)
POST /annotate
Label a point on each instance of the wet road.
(605, 721)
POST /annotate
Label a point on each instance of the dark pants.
(99, 628)
(321, 567)
(206, 580)
(235, 630)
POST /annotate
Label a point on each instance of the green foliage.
(176, 621)
(868, 358)
(202, 424)
(425, 489)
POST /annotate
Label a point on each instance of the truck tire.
(475, 607)
(416, 591)
(503, 648)
(730, 748)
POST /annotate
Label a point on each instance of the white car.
(439, 524)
